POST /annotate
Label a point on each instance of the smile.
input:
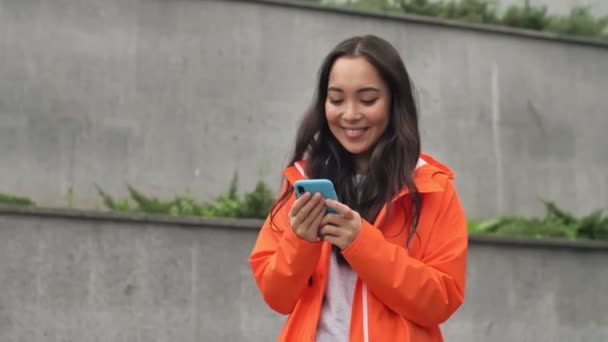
(354, 132)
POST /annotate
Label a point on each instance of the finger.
(299, 203)
(330, 230)
(334, 240)
(341, 208)
(308, 207)
(301, 211)
(316, 224)
(312, 216)
(333, 219)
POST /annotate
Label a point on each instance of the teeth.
(354, 132)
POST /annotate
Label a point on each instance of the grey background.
(178, 95)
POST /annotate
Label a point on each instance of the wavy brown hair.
(393, 158)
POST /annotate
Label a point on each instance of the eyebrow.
(358, 91)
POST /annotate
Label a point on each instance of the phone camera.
(301, 190)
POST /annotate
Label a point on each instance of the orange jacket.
(400, 294)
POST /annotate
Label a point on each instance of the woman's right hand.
(306, 215)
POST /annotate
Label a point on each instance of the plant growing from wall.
(254, 204)
(473, 11)
(556, 223)
(579, 22)
(69, 197)
(111, 203)
(7, 199)
(527, 17)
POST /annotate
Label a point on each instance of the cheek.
(378, 115)
(331, 113)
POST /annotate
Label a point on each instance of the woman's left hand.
(340, 230)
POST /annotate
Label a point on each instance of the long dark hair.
(394, 157)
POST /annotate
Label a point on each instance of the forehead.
(354, 72)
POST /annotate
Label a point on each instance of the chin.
(355, 150)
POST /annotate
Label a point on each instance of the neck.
(362, 163)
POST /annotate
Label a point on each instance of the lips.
(354, 133)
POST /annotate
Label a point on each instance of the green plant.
(421, 7)
(255, 204)
(233, 190)
(187, 205)
(7, 199)
(556, 223)
(527, 16)
(224, 206)
(580, 21)
(69, 197)
(594, 226)
(372, 5)
(535, 228)
(474, 11)
(147, 204)
(111, 203)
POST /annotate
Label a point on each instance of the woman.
(391, 265)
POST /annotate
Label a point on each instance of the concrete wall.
(78, 277)
(170, 95)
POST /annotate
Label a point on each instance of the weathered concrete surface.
(65, 280)
(102, 279)
(170, 95)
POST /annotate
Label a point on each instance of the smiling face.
(357, 107)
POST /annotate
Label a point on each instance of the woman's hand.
(340, 230)
(306, 215)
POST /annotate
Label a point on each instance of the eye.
(369, 102)
(336, 101)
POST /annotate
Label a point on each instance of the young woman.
(391, 265)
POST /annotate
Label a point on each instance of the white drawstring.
(300, 169)
(365, 318)
(421, 162)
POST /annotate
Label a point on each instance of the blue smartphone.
(323, 186)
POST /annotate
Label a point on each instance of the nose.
(351, 112)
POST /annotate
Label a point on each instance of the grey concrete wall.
(65, 280)
(98, 278)
(171, 95)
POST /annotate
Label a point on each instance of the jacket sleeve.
(282, 263)
(427, 291)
